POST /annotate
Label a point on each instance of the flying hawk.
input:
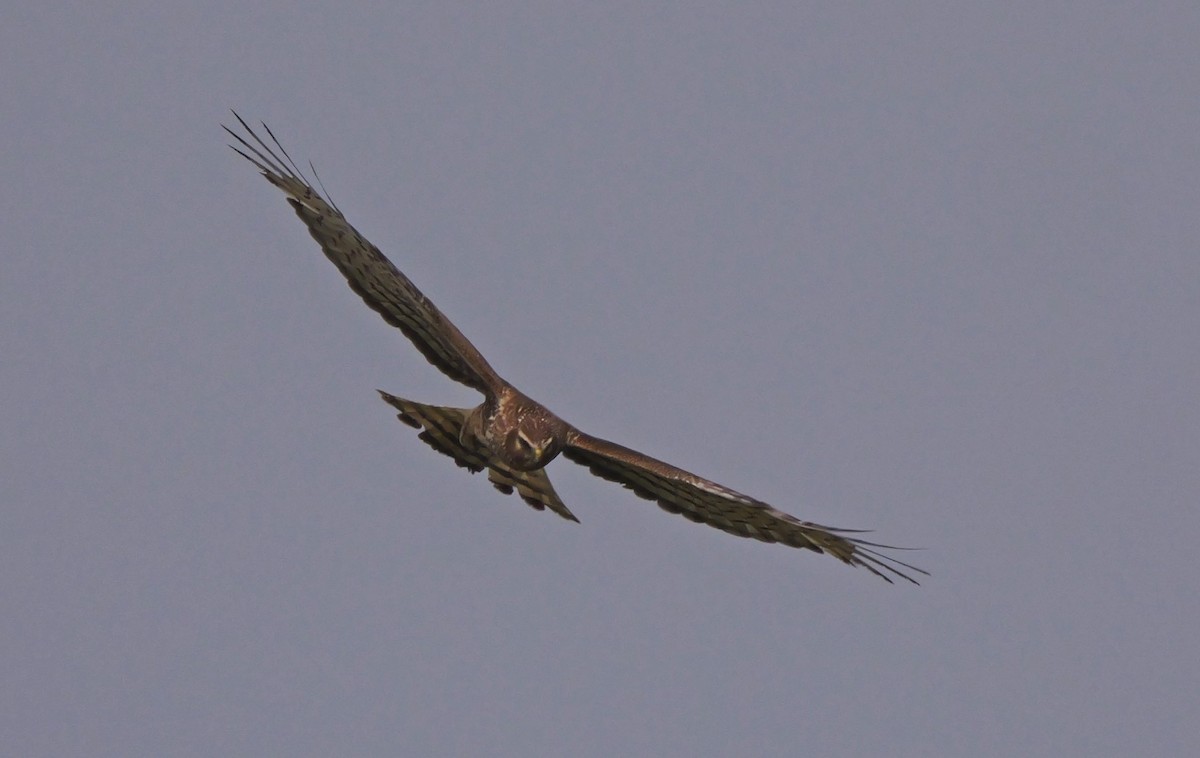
(510, 435)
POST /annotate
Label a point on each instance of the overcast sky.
(931, 269)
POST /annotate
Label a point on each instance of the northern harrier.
(511, 435)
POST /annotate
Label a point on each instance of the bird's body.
(510, 435)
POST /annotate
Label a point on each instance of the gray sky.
(929, 270)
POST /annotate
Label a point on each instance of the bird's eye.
(522, 447)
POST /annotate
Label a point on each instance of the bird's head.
(526, 449)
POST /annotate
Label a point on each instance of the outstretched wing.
(376, 280)
(441, 432)
(679, 491)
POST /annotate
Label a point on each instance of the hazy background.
(922, 268)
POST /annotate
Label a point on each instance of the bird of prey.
(510, 435)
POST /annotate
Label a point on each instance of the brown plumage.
(510, 435)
